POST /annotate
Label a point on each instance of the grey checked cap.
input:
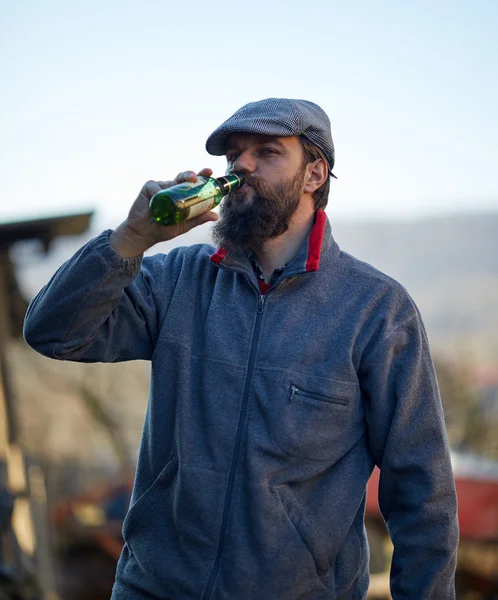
(280, 117)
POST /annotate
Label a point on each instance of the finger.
(164, 185)
(206, 172)
(151, 188)
(186, 176)
(208, 216)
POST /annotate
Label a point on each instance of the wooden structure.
(25, 558)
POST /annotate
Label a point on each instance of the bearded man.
(283, 370)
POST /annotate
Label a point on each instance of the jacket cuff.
(112, 258)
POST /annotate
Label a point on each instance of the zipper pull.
(294, 389)
(261, 304)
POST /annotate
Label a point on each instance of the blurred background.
(98, 97)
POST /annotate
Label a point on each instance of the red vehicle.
(476, 481)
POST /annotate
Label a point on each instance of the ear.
(316, 175)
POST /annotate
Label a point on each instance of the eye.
(232, 157)
(268, 151)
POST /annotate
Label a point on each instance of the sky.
(98, 97)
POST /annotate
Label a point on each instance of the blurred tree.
(101, 415)
(469, 427)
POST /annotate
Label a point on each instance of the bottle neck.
(230, 182)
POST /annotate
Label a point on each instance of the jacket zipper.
(314, 396)
(236, 452)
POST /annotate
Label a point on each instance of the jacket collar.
(306, 260)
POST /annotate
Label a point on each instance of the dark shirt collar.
(259, 271)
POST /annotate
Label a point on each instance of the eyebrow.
(264, 139)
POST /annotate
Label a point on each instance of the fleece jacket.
(266, 416)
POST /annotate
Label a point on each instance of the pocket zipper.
(314, 396)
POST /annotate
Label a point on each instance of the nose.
(244, 162)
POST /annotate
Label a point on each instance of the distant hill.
(450, 267)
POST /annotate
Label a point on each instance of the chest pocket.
(316, 418)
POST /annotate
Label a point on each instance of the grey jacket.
(265, 419)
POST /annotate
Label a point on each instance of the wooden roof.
(45, 229)
(12, 303)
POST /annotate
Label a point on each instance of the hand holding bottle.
(139, 231)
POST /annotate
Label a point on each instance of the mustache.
(256, 183)
(252, 180)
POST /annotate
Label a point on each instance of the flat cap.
(280, 117)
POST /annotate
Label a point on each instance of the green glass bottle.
(186, 200)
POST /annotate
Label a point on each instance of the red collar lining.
(219, 255)
(315, 241)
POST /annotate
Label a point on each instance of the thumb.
(200, 220)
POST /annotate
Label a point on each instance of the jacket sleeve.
(409, 444)
(98, 307)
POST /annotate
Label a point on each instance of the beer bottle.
(186, 200)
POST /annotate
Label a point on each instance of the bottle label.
(201, 207)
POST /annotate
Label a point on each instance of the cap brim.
(216, 143)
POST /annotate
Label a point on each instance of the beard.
(245, 225)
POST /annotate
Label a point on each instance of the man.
(283, 370)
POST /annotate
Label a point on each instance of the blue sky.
(98, 97)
